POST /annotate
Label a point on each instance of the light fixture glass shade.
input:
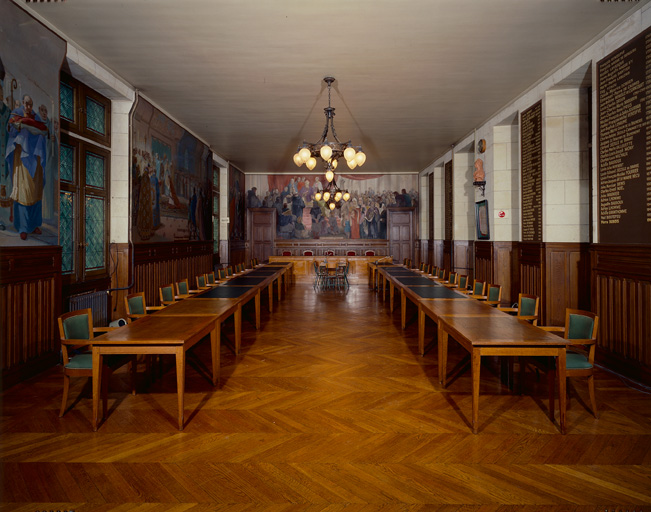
(334, 163)
(305, 154)
(326, 152)
(346, 196)
(351, 163)
(329, 175)
(298, 160)
(317, 196)
(332, 206)
(338, 196)
(326, 195)
(349, 153)
(360, 158)
(311, 163)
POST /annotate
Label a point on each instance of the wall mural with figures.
(29, 131)
(299, 216)
(171, 180)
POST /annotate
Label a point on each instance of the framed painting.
(481, 220)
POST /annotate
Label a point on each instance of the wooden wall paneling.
(567, 280)
(341, 246)
(437, 253)
(401, 228)
(262, 232)
(504, 255)
(120, 271)
(424, 252)
(417, 254)
(30, 298)
(430, 251)
(484, 261)
(447, 260)
(531, 271)
(621, 296)
(238, 252)
(224, 253)
(462, 252)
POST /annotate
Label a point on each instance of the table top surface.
(499, 330)
(265, 271)
(435, 291)
(224, 292)
(246, 280)
(200, 306)
(156, 330)
(414, 280)
(446, 307)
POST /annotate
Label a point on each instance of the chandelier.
(331, 193)
(330, 151)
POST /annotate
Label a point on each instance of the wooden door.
(402, 233)
(262, 232)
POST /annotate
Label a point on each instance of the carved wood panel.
(402, 233)
(262, 231)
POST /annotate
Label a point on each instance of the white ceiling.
(413, 76)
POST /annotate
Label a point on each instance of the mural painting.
(171, 176)
(29, 131)
(236, 210)
(299, 216)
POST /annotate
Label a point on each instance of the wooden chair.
(202, 283)
(221, 274)
(135, 306)
(210, 279)
(167, 295)
(352, 253)
(330, 252)
(369, 253)
(527, 308)
(478, 290)
(463, 283)
(287, 253)
(494, 294)
(77, 332)
(452, 281)
(581, 329)
(308, 253)
(229, 272)
(183, 289)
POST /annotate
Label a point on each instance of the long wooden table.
(152, 335)
(476, 326)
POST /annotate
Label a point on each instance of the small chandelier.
(331, 193)
(329, 151)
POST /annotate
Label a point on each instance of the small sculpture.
(479, 174)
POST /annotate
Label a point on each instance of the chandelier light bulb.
(360, 158)
(346, 196)
(334, 163)
(329, 175)
(337, 196)
(351, 163)
(326, 195)
(298, 160)
(349, 154)
(305, 154)
(311, 163)
(317, 196)
(332, 206)
(326, 152)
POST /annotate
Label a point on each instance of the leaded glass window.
(67, 99)
(67, 231)
(95, 116)
(94, 170)
(94, 232)
(67, 163)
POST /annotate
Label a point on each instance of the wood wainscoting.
(158, 264)
(448, 256)
(340, 246)
(120, 271)
(621, 296)
(463, 257)
(567, 279)
(304, 266)
(30, 294)
(531, 272)
(494, 262)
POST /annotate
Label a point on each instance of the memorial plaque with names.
(430, 186)
(624, 143)
(449, 207)
(532, 183)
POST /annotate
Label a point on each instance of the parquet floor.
(327, 408)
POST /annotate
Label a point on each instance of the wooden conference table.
(479, 328)
(179, 326)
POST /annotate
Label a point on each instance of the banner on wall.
(299, 216)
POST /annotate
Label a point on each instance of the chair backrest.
(75, 325)
(479, 287)
(134, 304)
(182, 287)
(221, 273)
(369, 253)
(166, 293)
(580, 325)
(351, 253)
(453, 277)
(528, 307)
(201, 281)
(308, 253)
(441, 274)
(330, 253)
(210, 278)
(494, 292)
(229, 271)
(463, 282)
(287, 253)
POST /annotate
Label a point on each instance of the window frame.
(81, 93)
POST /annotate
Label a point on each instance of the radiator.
(96, 301)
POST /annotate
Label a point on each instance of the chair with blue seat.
(581, 330)
(77, 332)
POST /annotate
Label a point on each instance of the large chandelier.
(330, 151)
(331, 193)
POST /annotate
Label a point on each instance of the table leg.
(421, 331)
(384, 286)
(284, 276)
(271, 297)
(562, 398)
(97, 382)
(476, 370)
(257, 310)
(279, 290)
(237, 318)
(180, 381)
(403, 308)
(442, 354)
(391, 292)
(215, 342)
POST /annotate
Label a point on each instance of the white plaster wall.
(120, 207)
(223, 203)
(463, 197)
(439, 203)
(505, 180)
(423, 206)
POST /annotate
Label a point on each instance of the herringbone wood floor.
(327, 408)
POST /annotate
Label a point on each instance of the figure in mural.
(199, 214)
(144, 215)
(252, 199)
(5, 179)
(27, 157)
(155, 199)
(192, 215)
(51, 169)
